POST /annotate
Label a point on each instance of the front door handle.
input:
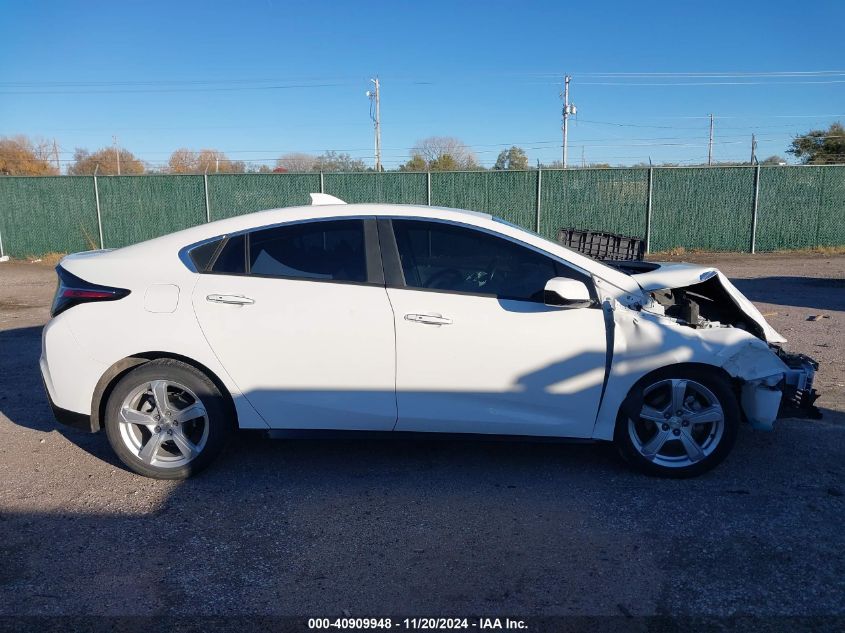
(428, 319)
(236, 300)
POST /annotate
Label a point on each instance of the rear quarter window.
(203, 255)
(232, 257)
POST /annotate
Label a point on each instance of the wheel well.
(630, 403)
(122, 367)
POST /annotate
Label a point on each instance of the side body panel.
(81, 344)
(306, 354)
(499, 367)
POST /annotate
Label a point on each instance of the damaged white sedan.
(392, 319)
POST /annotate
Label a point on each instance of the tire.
(167, 420)
(653, 438)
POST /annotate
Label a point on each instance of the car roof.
(260, 218)
(271, 217)
(176, 242)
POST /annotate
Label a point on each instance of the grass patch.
(823, 250)
(47, 259)
(681, 251)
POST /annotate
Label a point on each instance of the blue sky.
(485, 72)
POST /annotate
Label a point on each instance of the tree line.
(22, 156)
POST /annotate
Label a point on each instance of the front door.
(297, 319)
(477, 349)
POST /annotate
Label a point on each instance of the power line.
(613, 79)
(660, 127)
(776, 73)
(169, 90)
(350, 79)
(682, 127)
(708, 83)
(554, 143)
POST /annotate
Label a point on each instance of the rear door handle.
(428, 319)
(237, 300)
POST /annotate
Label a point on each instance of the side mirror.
(567, 293)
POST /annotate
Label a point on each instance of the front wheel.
(678, 422)
(166, 420)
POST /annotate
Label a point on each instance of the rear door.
(299, 317)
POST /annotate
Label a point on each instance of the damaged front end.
(799, 396)
(784, 394)
(773, 383)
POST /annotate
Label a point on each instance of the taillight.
(72, 290)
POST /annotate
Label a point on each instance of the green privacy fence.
(714, 208)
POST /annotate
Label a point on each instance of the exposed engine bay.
(703, 298)
(706, 304)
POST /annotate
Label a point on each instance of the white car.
(404, 319)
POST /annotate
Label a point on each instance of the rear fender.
(122, 367)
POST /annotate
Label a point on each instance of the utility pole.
(583, 158)
(116, 153)
(568, 109)
(710, 144)
(56, 157)
(375, 115)
(753, 148)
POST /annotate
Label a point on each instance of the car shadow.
(23, 398)
(818, 293)
(24, 402)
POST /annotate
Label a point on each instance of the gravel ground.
(327, 528)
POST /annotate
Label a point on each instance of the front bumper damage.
(772, 383)
(787, 394)
(799, 396)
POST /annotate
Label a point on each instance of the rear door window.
(330, 250)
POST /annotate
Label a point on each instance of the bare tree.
(256, 168)
(182, 161)
(19, 156)
(85, 163)
(214, 161)
(296, 161)
(211, 161)
(440, 150)
(332, 161)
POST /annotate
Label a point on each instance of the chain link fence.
(714, 208)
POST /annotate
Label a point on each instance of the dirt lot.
(429, 528)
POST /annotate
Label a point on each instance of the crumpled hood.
(669, 276)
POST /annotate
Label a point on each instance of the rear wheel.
(678, 422)
(166, 420)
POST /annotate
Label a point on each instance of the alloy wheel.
(681, 422)
(163, 423)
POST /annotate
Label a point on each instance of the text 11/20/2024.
(432, 624)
